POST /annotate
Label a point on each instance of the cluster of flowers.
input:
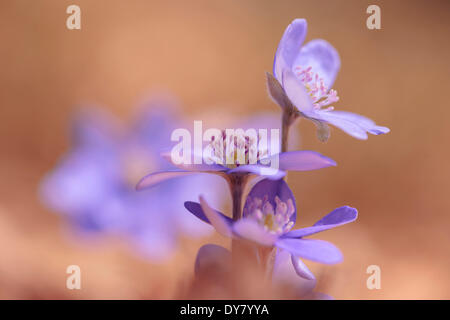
(301, 83)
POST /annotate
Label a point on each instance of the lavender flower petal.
(347, 125)
(335, 218)
(364, 122)
(157, 177)
(314, 250)
(251, 230)
(289, 46)
(260, 170)
(296, 91)
(284, 273)
(304, 160)
(353, 124)
(196, 209)
(202, 167)
(217, 221)
(301, 269)
(322, 57)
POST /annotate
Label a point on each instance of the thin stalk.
(287, 119)
(237, 184)
(243, 254)
(284, 132)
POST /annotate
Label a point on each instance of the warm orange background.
(212, 55)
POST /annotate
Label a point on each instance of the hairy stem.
(284, 133)
(287, 119)
(237, 185)
(243, 253)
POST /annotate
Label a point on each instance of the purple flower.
(93, 184)
(302, 82)
(304, 160)
(268, 216)
(238, 174)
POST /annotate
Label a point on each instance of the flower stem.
(237, 186)
(287, 119)
(243, 254)
(284, 133)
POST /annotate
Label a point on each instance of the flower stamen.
(276, 220)
(318, 91)
(236, 150)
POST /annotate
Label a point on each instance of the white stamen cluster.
(316, 88)
(238, 149)
(275, 220)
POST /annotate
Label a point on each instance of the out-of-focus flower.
(93, 185)
(268, 216)
(302, 80)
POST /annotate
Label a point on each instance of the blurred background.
(212, 56)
